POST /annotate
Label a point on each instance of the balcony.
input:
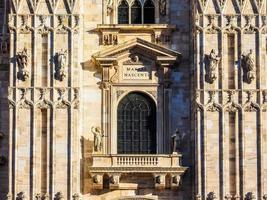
(160, 166)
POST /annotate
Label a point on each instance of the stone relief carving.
(115, 76)
(60, 65)
(110, 39)
(24, 28)
(97, 179)
(59, 196)
(43, 28)
(228, 197)
(76, 196)
(61, 102)
(159, 179)
(250, 196)
(24, 103)
(23, 61)
(62, 28)
(98, 138)
(211, 196)
(248, 66)
(212, 106)
(43, 103)
(21, 196)
(176, 179)
(38, 196)
(163, 7)
(250, 106)
(115, 179)
(230, 26)
(212, 28)
(249, 28)
(76, 101)
(211, 65)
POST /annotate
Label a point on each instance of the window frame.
(130, 3)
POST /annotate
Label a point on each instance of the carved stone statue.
(248, 65)
(61, 61)
(98, 135)
(109, 6)
(23, 61)
(176, 140)
(163, 7)
(211, 65)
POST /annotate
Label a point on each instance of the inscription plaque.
(138, 72)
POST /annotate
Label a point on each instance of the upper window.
(149, 12)
(123, 13)
(136, 13)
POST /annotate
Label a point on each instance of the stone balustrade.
(114, 165)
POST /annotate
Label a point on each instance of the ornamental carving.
(250, 196)
(228, 197)
(61, 102)
(60, 65)
(97, 179)
(230, 26)
(43, 28)
(24, 28)
(22, 59)
(212, 28)
(248, 66)
(24, 103)
(249, 28)
(159, 179)
(59, 196)
(76, 101)
(98, 138)
(21, 196)
(211, 196)
(115, 179)
(76, 196)
(250, 106)
(211, 66)
(43, 103)
(62, 28)
(163, 7)
(176, 179)
(110, 39)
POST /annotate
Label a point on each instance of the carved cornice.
(64, 98)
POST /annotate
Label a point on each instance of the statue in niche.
(211, 65)
(109, 6)
(248, 66)
(23, 60)
(176, 143)
(61, 61)
(163, 7)
(98, 135)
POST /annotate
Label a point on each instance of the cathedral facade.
(133, 99)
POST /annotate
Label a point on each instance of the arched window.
(136, 13)
(123, 13)
(149, 12)
(136, 124)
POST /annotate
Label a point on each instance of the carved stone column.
(106, 64)
(165, 69)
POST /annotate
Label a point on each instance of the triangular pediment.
(148, 49)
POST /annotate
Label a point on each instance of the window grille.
(136, 125)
